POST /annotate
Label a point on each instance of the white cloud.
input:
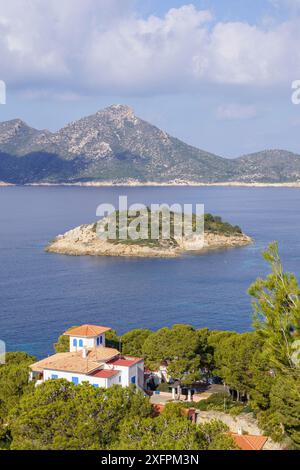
(233, 112)
(72, 47)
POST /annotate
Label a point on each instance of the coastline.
(3, 184)
(83, 241)
(175, 183)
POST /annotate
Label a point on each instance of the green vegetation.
(61, 416)
(112, 339)
(179, 346)
(277, 322)
(222, 402)
(13, 385)
(145, 222)
(171, 430)
(133, 341)
(260, 369)
(62, 345)
(215, 224)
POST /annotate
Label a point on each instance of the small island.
(84, 241)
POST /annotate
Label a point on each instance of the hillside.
(114, 145)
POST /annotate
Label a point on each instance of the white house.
(89, 360)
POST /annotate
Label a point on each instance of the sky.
(215, 73)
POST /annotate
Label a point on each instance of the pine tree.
(277, 321)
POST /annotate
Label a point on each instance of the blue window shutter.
(133, 380)
(75, 380)
(54, 376)
(96, 385)
(75, 343)
(101, 340)
(80, 343)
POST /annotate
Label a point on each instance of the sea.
(43, 294)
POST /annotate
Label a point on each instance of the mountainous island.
(85, 241)
(114, 146)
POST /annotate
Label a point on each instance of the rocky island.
(84, 241)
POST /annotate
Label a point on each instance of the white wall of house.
(77, 343)
(52, 374)
(140, 375)
(126, 376)
(128, 373)
(124, 373)
(115, 380)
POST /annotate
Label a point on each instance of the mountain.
(115, 145)
(269, 166)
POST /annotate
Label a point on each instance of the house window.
(120, 379)
(99, 340)
(81, 343)
(54, 377)
(75, 343)
(75, 380)
(133, 380)
(96, 385)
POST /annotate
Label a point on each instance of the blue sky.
(225, 10)
(215, 73)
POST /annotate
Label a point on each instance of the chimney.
(84, 353)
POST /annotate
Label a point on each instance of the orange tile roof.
(102, 354)
(104, 374)
(74, 362)
(87, 330)
(125, 361)
(249, 442)
(66, 362)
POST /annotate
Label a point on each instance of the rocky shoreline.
(83, 241)
(173, 183)
(178, 183)
(3, 184)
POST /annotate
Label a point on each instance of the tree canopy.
(133, 341)
(173, 431)
(13, 385)
(59, 415)
(277, 321)
(179, 346)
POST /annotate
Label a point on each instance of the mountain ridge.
(115, 145)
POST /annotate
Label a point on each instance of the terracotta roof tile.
(249, 442)
(125, 361)
(66, 362)
(104, 374)
(75, 362)
(103, 354)
(87, 331)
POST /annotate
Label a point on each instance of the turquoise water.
(43, 294)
